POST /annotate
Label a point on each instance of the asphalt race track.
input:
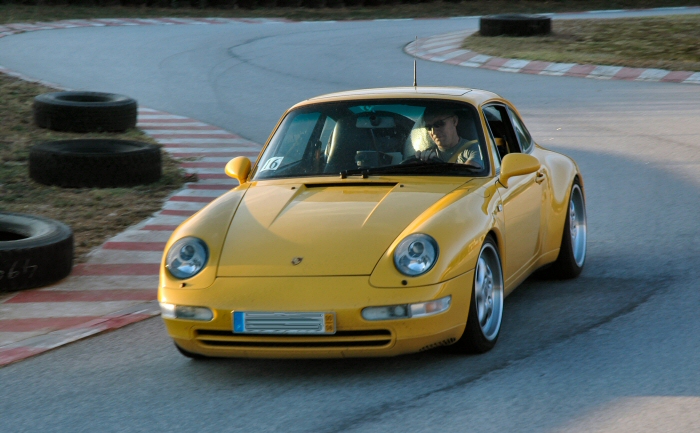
(616, 350)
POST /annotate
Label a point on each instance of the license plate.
(247, 322)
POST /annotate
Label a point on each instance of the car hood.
(320, 229)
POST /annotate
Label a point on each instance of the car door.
(522, 200)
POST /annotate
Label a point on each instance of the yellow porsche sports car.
(375, 222)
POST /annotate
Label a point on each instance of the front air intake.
(354, 339)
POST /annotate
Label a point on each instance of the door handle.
(540, 177)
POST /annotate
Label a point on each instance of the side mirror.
(517, 164)
(238, 168)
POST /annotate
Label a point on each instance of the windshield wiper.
(412, 167)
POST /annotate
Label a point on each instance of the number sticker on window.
(272, 163)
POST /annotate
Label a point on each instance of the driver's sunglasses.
(437, 124)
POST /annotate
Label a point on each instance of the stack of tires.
(515, 25)
(91, 163)
(36, 251)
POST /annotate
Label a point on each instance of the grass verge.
(15, 13)
(671, 42)
(93, 214)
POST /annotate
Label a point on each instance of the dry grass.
(93, 214)
(671, 42)
(13, 13)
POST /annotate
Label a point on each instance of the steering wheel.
(414, 158)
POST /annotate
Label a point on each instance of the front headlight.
(416, 254)
(187, 257)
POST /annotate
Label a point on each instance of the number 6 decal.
(272, 163)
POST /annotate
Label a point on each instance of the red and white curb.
(118, 283)
(448, 49)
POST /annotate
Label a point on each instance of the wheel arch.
(497, 236)
(563, 173)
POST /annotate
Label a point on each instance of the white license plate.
(256, 322)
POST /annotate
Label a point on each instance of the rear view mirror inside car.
(374, 121)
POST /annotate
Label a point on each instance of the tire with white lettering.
(85, 111)
(95, 163)
(34, 251)
(515, 25)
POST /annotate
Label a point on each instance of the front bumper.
(344, 296)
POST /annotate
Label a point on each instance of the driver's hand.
(474, 164)
(426, 155)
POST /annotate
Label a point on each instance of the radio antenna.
(415, 77)
(415, 84)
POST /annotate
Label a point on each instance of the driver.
(441, 125)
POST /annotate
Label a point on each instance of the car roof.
(474, 96)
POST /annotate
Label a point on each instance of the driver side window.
(496, 153)
(510, 135)
(521, 132)
(495, 115)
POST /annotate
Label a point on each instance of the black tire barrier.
(34, 251)
(85, 112)
(95, 163)
(515, 25)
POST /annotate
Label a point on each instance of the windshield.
(420, 137)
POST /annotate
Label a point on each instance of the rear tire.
(572, 253)
(486, 306)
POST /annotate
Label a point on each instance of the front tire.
(486, 306)
(572, 254)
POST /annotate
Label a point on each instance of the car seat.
(348, 139)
